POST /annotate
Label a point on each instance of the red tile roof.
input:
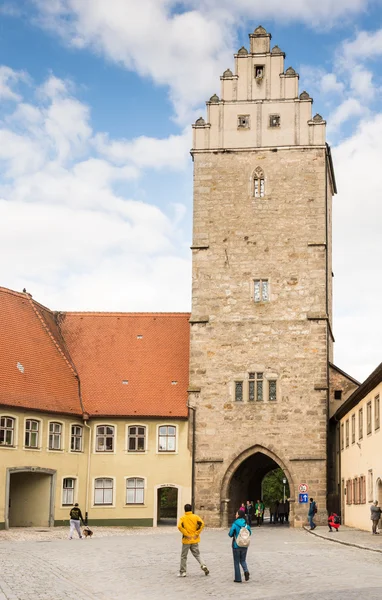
(35, 370)
(43, 353)
(150, 351)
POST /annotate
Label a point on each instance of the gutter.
(85, 419)
(193, 456)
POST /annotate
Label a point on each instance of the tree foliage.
(273, 487)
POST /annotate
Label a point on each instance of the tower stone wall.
(261, 293)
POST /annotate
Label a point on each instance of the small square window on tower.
(274, 120)
(243, 121)
(259, 72)
(261, 290)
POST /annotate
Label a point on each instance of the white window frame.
(61, 434)
(70, 438)
(144, 488)
(13, 445)
(75, 493)
(39, 434)
(176, 439)
(144, 451)
(104, 452)
(260, 281)
(97, 505)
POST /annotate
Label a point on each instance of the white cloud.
(345, 111)
(365, 45)
(357, 215)
(75, 242)
(8, 80)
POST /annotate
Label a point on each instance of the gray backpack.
(244, 537)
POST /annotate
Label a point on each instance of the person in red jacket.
(333, 522)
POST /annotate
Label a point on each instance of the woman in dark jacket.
(239, 553)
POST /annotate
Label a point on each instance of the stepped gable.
(36, 370)
(128, 363)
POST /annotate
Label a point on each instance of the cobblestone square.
(284, 563)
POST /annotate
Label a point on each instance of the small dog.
(87, 532)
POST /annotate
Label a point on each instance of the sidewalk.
(350, 537)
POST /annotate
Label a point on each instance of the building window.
(353, 429)
(167, 438)
(259, 183)
(68, 491)
(347, 432)
(376, 412)
(360, 424)
(103, 491)
(368, 417)
(272, 390)
(274, 120)
(105, 438)
(55, 431)
(76, 438)
(32, 429)
(370, 487)
(261, 290)
(362, 489)
(255, 387)
(243, 121)
(349, 491)
(238, 391)
(135, 489)
(342, 437)
(337, 394)
(259, 72)
(7, 431)
(136, 438)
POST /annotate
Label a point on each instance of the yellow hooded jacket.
(190, 526)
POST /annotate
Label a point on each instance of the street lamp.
(284, 483)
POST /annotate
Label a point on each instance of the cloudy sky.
(96, 101)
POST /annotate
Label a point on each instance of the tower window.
(259, 72)
(274, 120)
(259, 183)
(272, 389)
(261, 290)
(337, 394)
(238, 391)
(243, 122)
(255, 387)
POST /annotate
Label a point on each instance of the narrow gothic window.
(272, 390)
(258, 183)
(238, 391)
(243, 121)
(261, 290)
(274, 120)
(255, 387)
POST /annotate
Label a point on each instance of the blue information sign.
(303, 498)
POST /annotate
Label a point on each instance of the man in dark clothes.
(75, 521)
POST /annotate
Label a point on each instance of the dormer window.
(274, 120)
(243, 122)
(259, 72)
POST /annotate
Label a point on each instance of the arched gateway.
(243, 478)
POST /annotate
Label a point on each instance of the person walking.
(190, 526)
(75, 521)
(281, 512)
(287, 510)
(259, 510)
(312, 511)
(275, 511)
(375, 515)
(249, 512)
(239, 552)
(334, 522)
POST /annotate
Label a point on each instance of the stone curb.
(337, 541)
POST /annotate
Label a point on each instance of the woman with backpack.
(334, 522)
(240, 533)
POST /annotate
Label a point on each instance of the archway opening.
(167, 506)
(260, 478)
(30, 499)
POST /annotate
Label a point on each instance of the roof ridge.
(12, 292)
(124, 314)
(46, 327)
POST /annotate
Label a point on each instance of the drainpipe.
(193, 455)
(85, 418)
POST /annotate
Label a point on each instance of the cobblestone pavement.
(284, 564)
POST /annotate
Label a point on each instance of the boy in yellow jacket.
(190, 526)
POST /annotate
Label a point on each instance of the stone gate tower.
(261, 296)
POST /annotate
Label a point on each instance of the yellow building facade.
(121, 468)
(360, 450)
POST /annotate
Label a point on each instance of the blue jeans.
(311, 523)
(239, 556)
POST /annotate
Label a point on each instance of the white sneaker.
(182, 574)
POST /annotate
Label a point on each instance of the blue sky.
(96, 101)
